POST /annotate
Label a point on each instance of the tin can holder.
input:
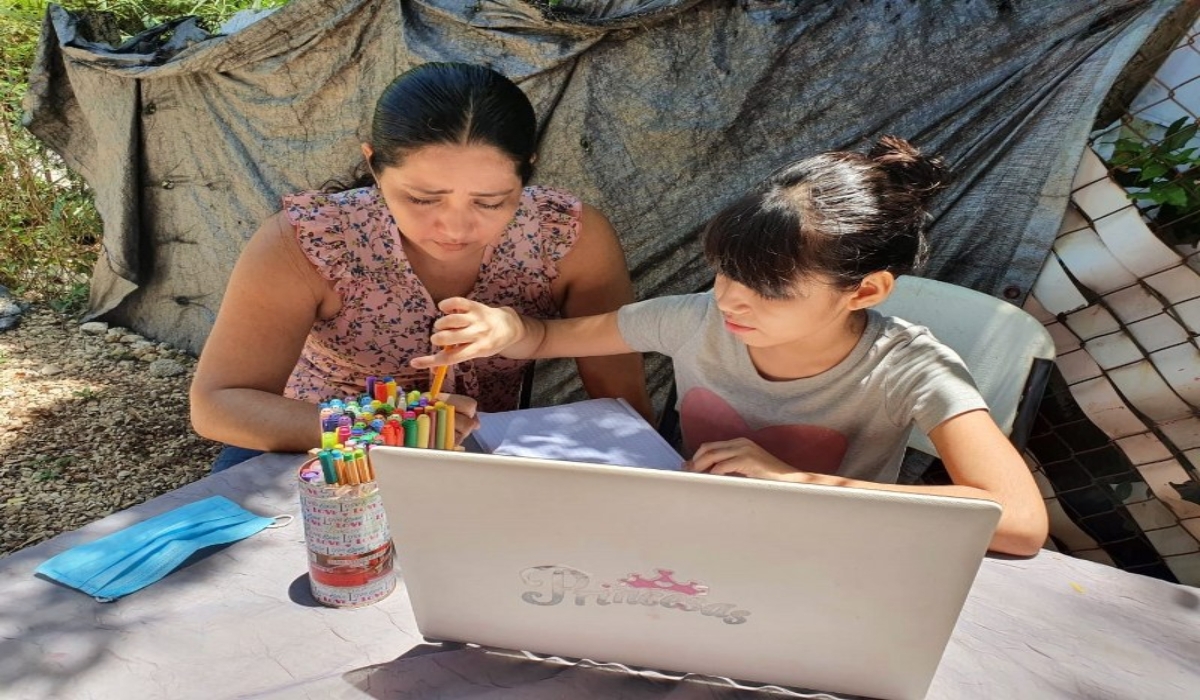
(349, 545)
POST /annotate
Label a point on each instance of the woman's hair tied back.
(456, 104)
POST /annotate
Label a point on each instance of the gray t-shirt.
(852, 419)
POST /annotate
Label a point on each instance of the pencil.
(439, 376)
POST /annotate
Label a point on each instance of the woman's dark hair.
(840, 214)
(452, 103)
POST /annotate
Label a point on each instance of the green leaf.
(1175, 196)
(1178, 135)
(1153, 171)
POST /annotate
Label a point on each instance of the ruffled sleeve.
(324, 230)
(559, 215)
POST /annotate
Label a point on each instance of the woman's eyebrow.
(497, 193)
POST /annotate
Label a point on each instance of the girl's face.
(817, 312)
(451, 201)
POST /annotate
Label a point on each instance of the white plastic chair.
(1009, 352)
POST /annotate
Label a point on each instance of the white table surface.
(241, 623)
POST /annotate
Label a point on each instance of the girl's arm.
(273, 298)
(978, 457)
(470, 330)
(594, 279)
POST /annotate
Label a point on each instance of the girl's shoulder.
(899, 330)
(908, 343)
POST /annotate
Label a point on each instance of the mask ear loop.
(281, 521)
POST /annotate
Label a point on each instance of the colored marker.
(440, 413)
(327, 468)
(422, 430)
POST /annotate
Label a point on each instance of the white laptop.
(824, 588)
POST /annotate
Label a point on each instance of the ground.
(92, 420)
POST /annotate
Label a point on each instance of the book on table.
(598, 431)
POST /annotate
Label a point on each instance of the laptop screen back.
(836, 589)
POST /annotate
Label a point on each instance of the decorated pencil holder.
(350, 553)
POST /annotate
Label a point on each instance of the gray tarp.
(656, 111)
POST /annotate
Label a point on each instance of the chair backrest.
(1008, 351)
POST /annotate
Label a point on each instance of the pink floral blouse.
(387, 314)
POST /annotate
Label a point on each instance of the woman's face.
(451, 201)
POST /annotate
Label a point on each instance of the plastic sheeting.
(658, 112)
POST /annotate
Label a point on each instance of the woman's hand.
(739, 457)
(470, 330)
(465, 419)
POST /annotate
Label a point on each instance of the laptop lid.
(828, 588)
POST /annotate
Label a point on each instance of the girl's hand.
(470, 330)
(465, 419)
(739, 457)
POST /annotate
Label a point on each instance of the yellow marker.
(423, 430)
(451, 438)
(360, 465)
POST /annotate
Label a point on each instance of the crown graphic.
(664, 582)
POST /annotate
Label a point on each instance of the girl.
(784, 371)
(339, 286)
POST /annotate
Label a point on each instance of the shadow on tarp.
(454, 670)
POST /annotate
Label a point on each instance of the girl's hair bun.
(909, 169)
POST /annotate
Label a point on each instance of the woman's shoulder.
(315, 206)
(546, 225)
(552, 205)
(549, 196)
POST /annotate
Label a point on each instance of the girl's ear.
(874, 288)
(367, 152)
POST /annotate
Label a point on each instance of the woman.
(340, 286)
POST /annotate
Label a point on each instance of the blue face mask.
(131, 559)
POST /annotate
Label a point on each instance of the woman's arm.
(594, 279)
(273, 298)
(978, 457)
